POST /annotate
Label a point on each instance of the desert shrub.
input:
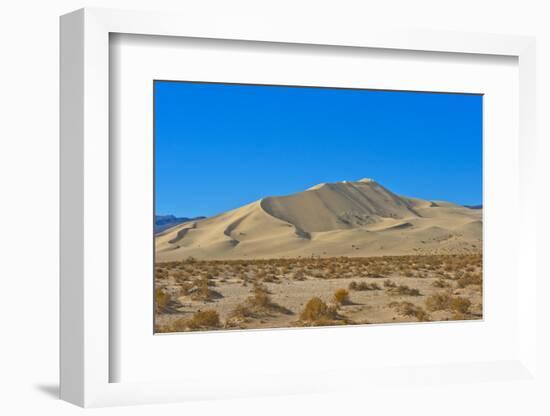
(316, 310)
(258, 304)
(404, 290)
(469, 279)
(363, 286)
(200, 290)
(341, 296)
(409, 309)
(260, 288)
(446, 301)
(159, 328)
(260, 296)
(161, 299)
(440, 283)
(242, 311)
(460, 305)
(389, 283)
(299, 275)
(161, 273)
(271, 278)
(438, 302)
(207, 319)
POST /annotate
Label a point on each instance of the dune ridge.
(360, 218)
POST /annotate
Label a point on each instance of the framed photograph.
(247, 212)
(338, 252)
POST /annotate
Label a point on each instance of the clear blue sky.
(220, 146)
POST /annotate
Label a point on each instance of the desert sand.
(357, 219)
(337, 253)
(242, 294)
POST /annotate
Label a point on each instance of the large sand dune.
(337, 219)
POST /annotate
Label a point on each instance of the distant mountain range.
(348, 218)
(163, 222)
(474, 206)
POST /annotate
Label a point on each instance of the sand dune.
(335, 219)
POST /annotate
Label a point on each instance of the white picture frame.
(86, 355)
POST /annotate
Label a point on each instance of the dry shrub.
(440, 283)
(439, 302)
(260, 296)
(363, 286)
(469, 279)
(161, 300)
(460, 305)
(404, 290)
(201, 291)
(409, 309)
(258, 304)
(299, 275)
(271, 278)
(201, 320)
(205, 319)
(445, 301)
(318, 311)
(341, 297)
(161, 273)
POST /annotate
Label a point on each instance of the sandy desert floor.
(198, 295)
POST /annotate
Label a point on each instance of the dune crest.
(347, 218)
(341, 205)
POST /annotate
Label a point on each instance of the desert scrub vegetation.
(161, 300)
(273, 270)
(201, 320)
(257, 305)
(318, 313)
(200, 290)
(440, 283)
(237, 289)
(403, 290)
(361, 286)
(410, 310)
(446, 301)
(389, 283)
(469, 278)
(341, 297)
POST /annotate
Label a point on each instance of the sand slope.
(337, 219)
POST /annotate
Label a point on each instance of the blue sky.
(220, 146)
